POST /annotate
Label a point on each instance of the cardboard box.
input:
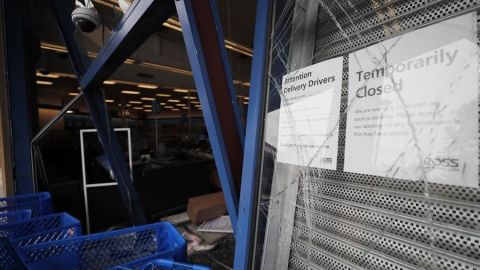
(206, 207)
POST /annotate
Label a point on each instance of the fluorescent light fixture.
(109, 100)
(179, 90)
(44, 82)
(138, 108)
(73, 94)
(181, 104)
(128, 92)
(49, 75)
(173, 100)
(109, 82)
(163, 95)
(70, 112)
(147, 106)
(147, 110)
(185, 108)
(246, 98)
(128, 105)
(135, 102)
(60, 48)
(163, 103)
(172, 26)
(245, 102)
(168, 107)
(147, 98)
(189, 97)
(147, 86)
(194, 102)
(175, 109)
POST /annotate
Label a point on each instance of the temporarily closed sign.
(413, 106)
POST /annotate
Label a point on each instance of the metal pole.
(253, 140)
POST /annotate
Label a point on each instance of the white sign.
(413, 106)
(309, 115)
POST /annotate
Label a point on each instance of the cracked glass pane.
(370, 154)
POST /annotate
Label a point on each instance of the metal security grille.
(368, 222)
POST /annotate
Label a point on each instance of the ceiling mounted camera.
(85, 16)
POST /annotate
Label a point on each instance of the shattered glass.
(370, 155)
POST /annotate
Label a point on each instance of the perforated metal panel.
(367, 222)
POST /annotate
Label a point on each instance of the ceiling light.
(245, 102)
(73, 94)
(147, 106)
(44, 82)
(185, 108)
(163, 103)
(109, 100)
(70, 111)
(194, 102)
(189, 97)
(172, 26)
(173, 100)
(147, 86)
(60, 48)
(168, 107)
(148, 98)
(163, 95)
(175, 109)
(128, 92)
(181, 104)
(109, 82)
(135, 102)
(147, 110)
(246, 98)
(138, 108)
(238, 48)
(128, 105)
(179, 90)
(49, 75)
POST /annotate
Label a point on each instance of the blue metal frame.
(204, 89)
(135, 27)
(254, 138)
(20, 68)
(228, 72)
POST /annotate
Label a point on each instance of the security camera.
(85, 16)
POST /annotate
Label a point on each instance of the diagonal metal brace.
(202, 32)
(135, 27)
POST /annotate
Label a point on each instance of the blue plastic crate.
(9, 217)
(8, 257)
(41, 229)
(39, 203)
(162, 264)
(106, 250)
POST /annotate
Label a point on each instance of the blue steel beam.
(135, 27)
(228, 72)
(253, 141)
(20, 66)
(206, 50)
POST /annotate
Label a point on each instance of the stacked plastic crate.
(32, 237)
